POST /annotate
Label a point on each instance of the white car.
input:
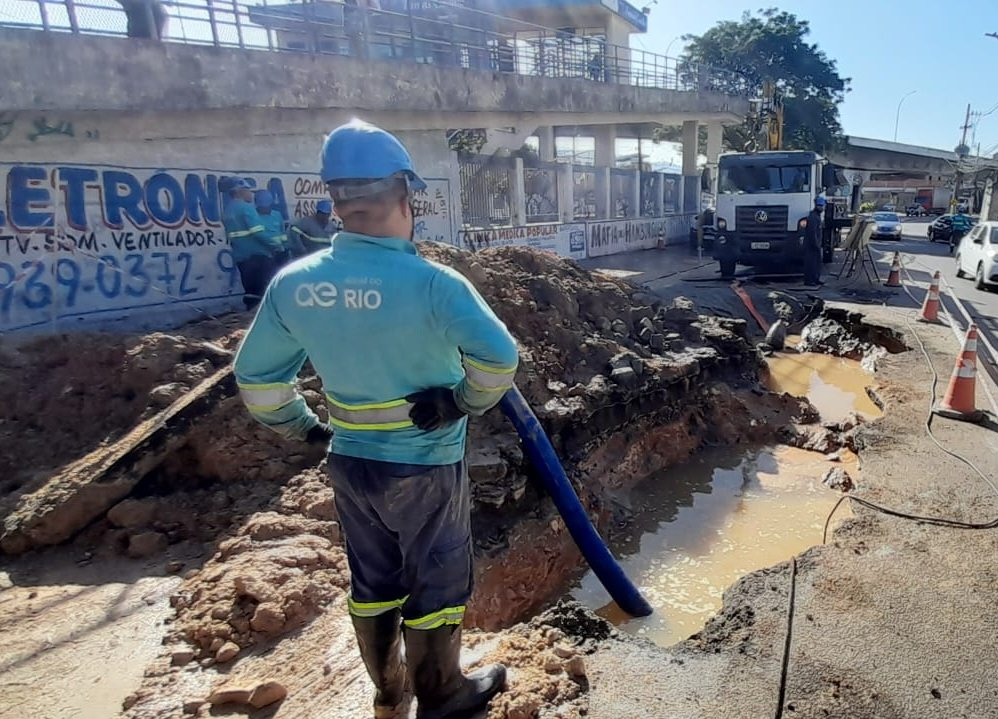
(888, 225)
(977, 255)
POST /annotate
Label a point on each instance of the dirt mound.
(68, 394)
(276, 574)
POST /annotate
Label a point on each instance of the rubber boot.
(433, 657)
(379, 641)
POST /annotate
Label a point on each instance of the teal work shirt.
(273, 225)
(378, 322)
(247, 234)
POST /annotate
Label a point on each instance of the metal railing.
(423, 31)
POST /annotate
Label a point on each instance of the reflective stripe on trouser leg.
(408, 532)
(373, 609)
(448, 615)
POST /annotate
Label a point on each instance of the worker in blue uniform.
(812, 243)
(314, 232)
(406, 350)
(256, 253)
(273, 223)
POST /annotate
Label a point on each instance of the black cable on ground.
(791, 600)
(937, 521)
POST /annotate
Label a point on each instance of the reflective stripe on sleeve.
(306, 236)
(235, 234)
(267, 397)
(376, 416)
(448, 615)
(373, 609)
(487, 379)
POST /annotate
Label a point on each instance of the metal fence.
(428, 31)
(584, 193)
(540, 187)
(486, 190)
(622, 193)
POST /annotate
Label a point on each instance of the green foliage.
(772, 46)
(868, 207)
(467, 142)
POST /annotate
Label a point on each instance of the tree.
(771, 46)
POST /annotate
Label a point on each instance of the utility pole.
(961, 152)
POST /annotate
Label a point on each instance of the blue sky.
(888, 48)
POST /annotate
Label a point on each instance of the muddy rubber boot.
(379, 641)
(442, 692)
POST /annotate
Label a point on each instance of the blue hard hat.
(239, 183)
(324, 206)
(263, 199)
(820, 201)
(360, 151)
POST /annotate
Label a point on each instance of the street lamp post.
(897, 116)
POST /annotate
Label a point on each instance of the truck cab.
(763, 200)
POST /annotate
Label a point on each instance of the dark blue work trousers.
(408, 538)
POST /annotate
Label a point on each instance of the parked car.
(916, 210)
(888, 208)
(977, 255)
(888, 225)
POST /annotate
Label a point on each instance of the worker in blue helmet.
(256, 252)
(314, 232)
(406, 350)
(812, 243)
(273, 223)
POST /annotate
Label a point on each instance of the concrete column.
(690, 128)
(606, 150)
(518, 194)
(636, 199)
(715, 132)
(659, 190)
(545, 144)
(602, 193)
(566, 193)
(681, 197)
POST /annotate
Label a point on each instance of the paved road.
(924, 257)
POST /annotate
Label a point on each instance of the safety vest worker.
(255, 252)
(313, 232)
(273, 221)
(406, 349)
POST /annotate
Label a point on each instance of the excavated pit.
(626, 386)
(693, 530)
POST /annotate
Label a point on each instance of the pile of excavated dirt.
(68, 394)
(279, 571)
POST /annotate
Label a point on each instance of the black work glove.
(319, 434)
(432, 408)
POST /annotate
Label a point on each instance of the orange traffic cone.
(930, 307)
(959, 400)
(894, 278)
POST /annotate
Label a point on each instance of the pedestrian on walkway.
(406, 349)
(812, 243)
(254, 251)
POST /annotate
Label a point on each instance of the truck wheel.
(727, 269)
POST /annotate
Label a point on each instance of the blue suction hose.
(541, 453)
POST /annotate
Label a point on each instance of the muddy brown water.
(699, 526)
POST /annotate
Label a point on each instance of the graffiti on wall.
(82, 243)
(564, 240)
(610, 238)
(431, 212)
